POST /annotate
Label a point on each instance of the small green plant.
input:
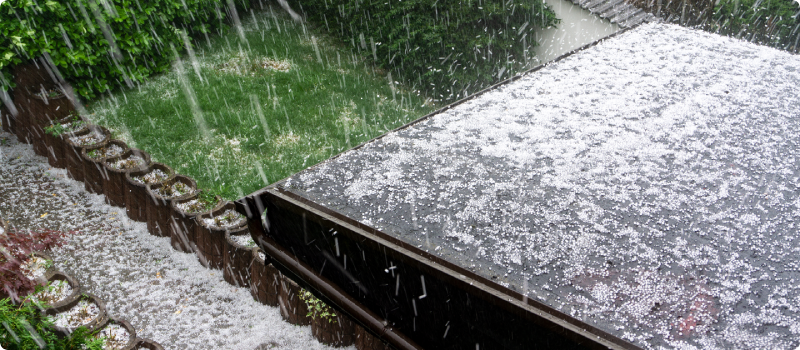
(207, 198)
(316, 307)
(48, 293)
(50, 93)
(227, 218)
(47, 263)
(58, 128)
(175, 189)
(55, 129)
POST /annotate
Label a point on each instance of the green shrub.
(22, 327)
(98, 45)
(447, 48)
(769, 22)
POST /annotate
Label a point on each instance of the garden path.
(166, 295)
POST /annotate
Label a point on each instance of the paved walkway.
(166, 295)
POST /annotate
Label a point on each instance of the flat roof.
(647, 185)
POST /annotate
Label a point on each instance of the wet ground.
(166, 295)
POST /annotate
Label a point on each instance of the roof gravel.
(647, 185)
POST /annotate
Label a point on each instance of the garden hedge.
(448, 48)
(774, 23)
(98, 45)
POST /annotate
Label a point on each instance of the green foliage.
(770, 22)
(317, 308)
(100, 44)
(444, 47)
(208, 198)
(24, 327)
(56, 129)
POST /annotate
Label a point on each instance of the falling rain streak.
(188, 92)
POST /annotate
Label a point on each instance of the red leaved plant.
(16, 247)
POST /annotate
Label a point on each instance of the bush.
(769, 22)
(24, 328)
(447, 48)
(98, 45)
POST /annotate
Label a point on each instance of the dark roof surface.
(647, 185)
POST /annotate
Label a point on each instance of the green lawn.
(285, 98)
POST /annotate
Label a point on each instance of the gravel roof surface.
(166, 295)
(647, 185)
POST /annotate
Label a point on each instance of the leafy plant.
(24, 328)
(447, 48)
(174, 189)
(227, 218)
(54, 129)
(57, 129)
(100, 44)
(50, 93)
(15, 248)
(316, 307)
(207, 198)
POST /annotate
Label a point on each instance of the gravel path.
(166, 295)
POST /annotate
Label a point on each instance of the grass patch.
(256, 106)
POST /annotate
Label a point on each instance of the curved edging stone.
(114, 186)
(237, 258)
(49, 271)
(159, 211)
(182, 226)
(129, 328)
(364, 340)
(147, 344)
(264, 280)
(209, 240)
(94, 175)
(136, 198)
(338, 331)
(73, 283)
(72, 151)
(57, 144)
(44, 110)
(93, 325)
(293, 309)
